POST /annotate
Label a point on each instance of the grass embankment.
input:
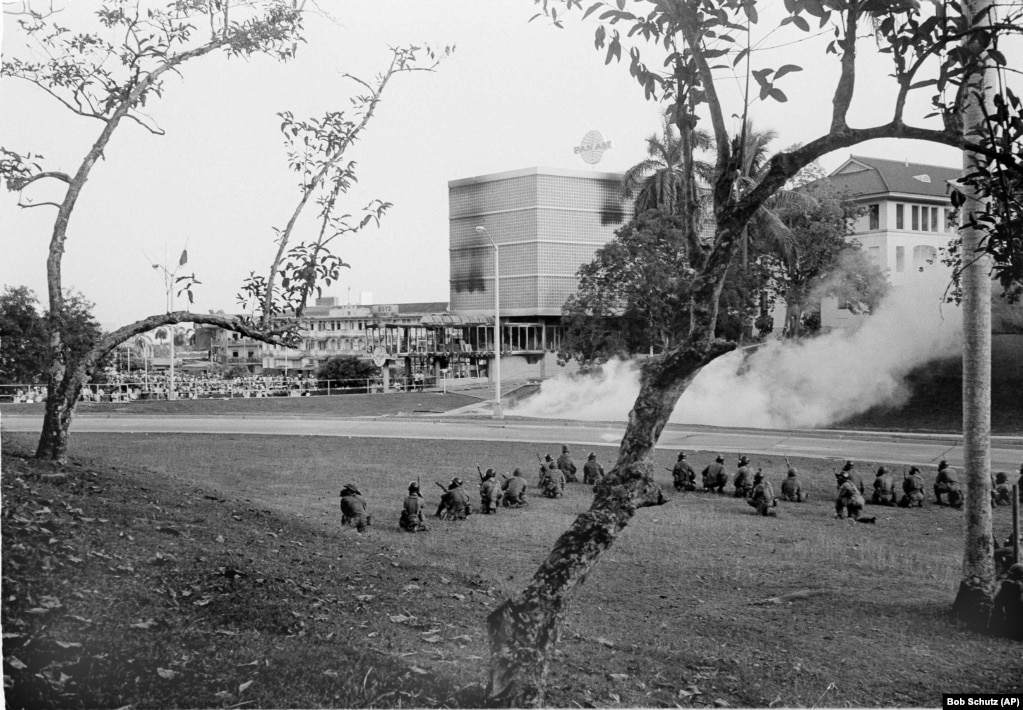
(211, 571)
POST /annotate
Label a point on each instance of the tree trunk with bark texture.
(976, 589)
(524, 630)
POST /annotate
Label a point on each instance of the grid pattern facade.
(547, 223)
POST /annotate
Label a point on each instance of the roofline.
(523, 172)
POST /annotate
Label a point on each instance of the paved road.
(1006, 452)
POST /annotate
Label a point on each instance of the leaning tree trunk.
(524, 629)
(973, 601)
(61, 400)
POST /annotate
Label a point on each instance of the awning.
(451, 319)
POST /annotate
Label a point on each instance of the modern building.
(540, 225)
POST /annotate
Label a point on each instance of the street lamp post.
(497, 321)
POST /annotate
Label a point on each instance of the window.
(916, 217)
(874, 212)
(874, 255)
(234, 353)
(900, 259)
(947, 224)
(934, 219)
(900, 216)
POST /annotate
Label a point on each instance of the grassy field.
(211, 571)
(350, 405)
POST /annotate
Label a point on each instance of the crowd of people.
(128, 387)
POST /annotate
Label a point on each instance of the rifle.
(442, 486)
(479, 472)
(787, 464)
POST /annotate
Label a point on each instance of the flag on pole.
(184, 257)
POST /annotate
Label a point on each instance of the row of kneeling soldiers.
(510, 490)
(455, 503)
(850, 498)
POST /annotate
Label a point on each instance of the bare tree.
(698, 37)
(109, 75)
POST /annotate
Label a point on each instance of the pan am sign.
(592, 147)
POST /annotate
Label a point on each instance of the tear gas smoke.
(784, 384)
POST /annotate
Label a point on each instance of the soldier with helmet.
(947, 484)
(884, 488)
(490, 492)
(1002, 492)
(714, 476)
(912, 489)
(593, 472)
(567, 465)
(682, 474)
(761, 495)
(791, 488)
(743, 478)
(353, 508)
(454, 504)
(553, 484)
(514, 490)
(849, 501)
(411, 519)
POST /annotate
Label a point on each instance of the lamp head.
(481, 230)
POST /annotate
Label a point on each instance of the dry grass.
(670, 615)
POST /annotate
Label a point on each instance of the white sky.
(515, 94)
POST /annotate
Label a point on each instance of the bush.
(346, 367)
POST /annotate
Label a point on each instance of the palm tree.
(657, 181)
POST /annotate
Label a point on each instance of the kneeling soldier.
(553, 486)
(792, 489)
(743, 480)
(514, 490)
(884, 488)
(454, 504)
(912, 489)
(593, 472)
(353, 508)
(411, 518)
(761, 495)
(849, 501)
(490, 492)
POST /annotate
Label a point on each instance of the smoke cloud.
(784, 384)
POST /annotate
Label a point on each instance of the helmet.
(548, 457)
(455, 483)
(758, 476)
(719, 458)
(1015, 571)
(350, 488)
(681, 455)
(592, 455)
(844, 475)
(848, 466)
(1001, 477)
(913, 469)
(413, 487)
(743, 459)
(517, 472)
(792, 471)
(943, 464)
(489, 473)
(564, 448)
(882, 471)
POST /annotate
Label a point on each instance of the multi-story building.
(540, 225)
(905, 221)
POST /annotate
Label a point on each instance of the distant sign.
(380, 356)
(592, 147)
